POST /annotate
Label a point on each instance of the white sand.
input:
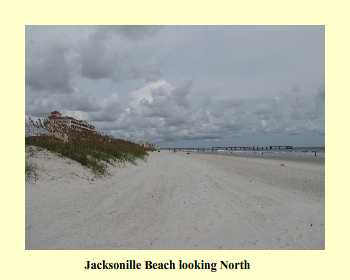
(177, 201)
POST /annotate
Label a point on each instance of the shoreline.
(287, 156)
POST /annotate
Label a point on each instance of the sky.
(182, 85)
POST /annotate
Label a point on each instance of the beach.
(177, 201)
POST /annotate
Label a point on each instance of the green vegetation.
(30, 171)
(90, 149)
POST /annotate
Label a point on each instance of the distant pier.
(229, 148)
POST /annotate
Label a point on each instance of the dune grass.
(30, 171)
(92, 150)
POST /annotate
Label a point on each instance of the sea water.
(307, 153)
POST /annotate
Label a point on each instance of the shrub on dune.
(93, 150)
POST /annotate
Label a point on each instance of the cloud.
(131, 32)
(48, 70)
(163, 112)
(107, 55)
(160, 111)
(40, 105)
(180, 84)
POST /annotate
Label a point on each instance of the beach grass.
(30, 170)
(92, 150)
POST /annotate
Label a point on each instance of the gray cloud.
(105, 55)
(48, 70)
(164, 118)
(131, 32)
(182, 85)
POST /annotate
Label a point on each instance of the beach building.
(148, 146)
(57, 122)
(70, 122)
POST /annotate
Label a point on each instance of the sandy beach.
(177, 201)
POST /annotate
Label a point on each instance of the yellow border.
(20, 264)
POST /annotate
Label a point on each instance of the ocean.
(307, 153)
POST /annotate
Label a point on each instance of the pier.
(229, 148)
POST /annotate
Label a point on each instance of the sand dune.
(177, 201)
